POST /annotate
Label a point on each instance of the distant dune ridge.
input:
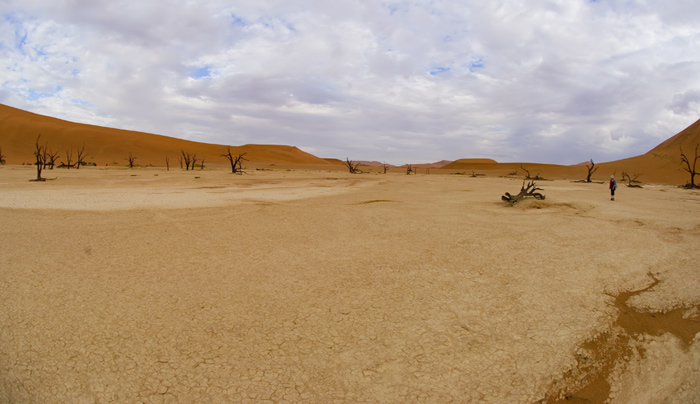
(107, 146)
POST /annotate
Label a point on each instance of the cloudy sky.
(554, 81)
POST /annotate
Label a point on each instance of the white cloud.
(552, 81)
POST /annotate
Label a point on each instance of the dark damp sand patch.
(588, 382)
(375, 201)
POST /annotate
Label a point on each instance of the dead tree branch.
(352, 166)
(50, 158)
(81, 157)
(409, 169)
(525, 191)
(632, 182)
(187, 158)
(690, 167)
(591, 169)
(131, 159)
(527, 172)
(39, 155)
(235, 160)
(69, 158)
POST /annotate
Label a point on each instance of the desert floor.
(148, 285)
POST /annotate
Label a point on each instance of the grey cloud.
(553, 82)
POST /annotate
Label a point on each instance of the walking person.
(613, 187)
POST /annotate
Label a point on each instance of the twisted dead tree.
(409, 169)
(690, 167)
(2, 157)
(131, 159)
(235, 160)
(50, 158)
(632, 182)
(527, 174)
(189, 160)
(39, 155)
(591, 169)
(69, 158)
(528, 190)
(81, 157)
(385, 166)
(352, 166)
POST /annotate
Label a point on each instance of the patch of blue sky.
(435, 71)
(33, 95)
(203, 72)
(238, 21)
(81, 102)
(476, 63)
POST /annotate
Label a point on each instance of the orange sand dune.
(660, 165)
(107, 146)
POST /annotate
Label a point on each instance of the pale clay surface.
(154, 286)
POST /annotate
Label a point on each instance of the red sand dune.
(107, 146)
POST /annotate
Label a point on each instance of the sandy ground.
(153, 286)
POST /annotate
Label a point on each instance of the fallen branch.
(525, 191)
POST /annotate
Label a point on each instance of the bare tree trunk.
(236, 161)
(167, 163)
(352, 166)
(39, 155)
(187, 158)
(69, 158)
(525, 191)
(690, 167)
(591, 169)
(81, 156)
(527, 173)
(131, 159)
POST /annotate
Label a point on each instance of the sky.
(550, 81)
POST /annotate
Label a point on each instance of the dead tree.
(81, 156)
(202, 165)
(591, 169)
(167, 163)
(2, 157)
(352, 166)
(632, 182)
(180, 158)
(189, 159)
(236, 161)
(409, 169)
(528, 176)
(131, 159)
(39, 155)
(385, 166)
(690, 167)
(527, 172)
(69, 158)
(50, 158)
(525, 191)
